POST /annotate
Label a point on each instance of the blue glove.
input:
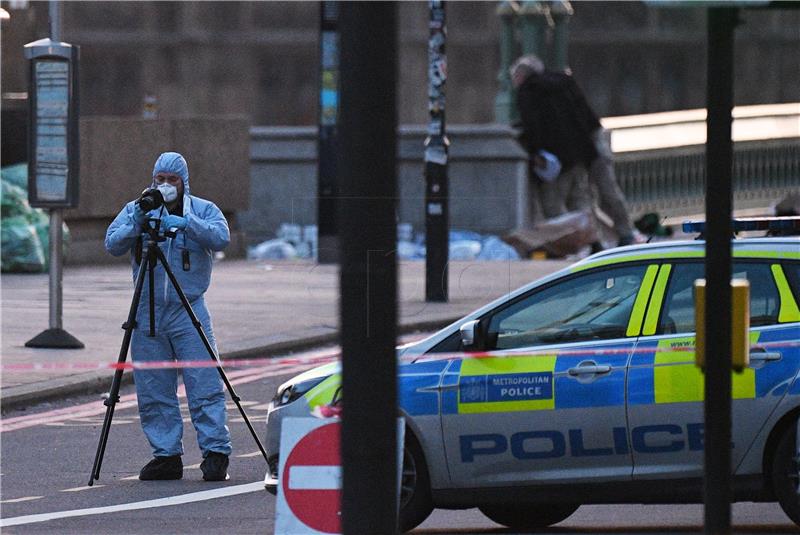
(139, 215)
(174, 221)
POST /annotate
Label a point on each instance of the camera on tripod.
(150, 199)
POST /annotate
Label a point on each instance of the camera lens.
(150, 200)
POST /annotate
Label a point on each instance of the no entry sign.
(309, 493)
(310, 476)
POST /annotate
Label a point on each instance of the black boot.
(625, 239)
(215, 467)
(161, 468)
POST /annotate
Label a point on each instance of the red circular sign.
(313, 500)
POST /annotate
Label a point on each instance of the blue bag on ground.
(493, 248)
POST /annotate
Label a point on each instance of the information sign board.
(53, 139)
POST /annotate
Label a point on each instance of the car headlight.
(290, 393)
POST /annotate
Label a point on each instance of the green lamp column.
(504, 109)
(535, 19)
(561, 11)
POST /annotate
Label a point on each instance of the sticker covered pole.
(436, 154)
(327, 183)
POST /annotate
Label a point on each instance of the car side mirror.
(471, 335)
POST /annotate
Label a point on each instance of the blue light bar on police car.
(750, 223)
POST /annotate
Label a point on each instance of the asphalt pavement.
(259, 309)
(47, 455)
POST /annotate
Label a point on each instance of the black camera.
(150, 199)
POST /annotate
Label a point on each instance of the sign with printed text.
(506, 387)
(53, 108)
(506, 384)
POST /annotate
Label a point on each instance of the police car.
(590, 393)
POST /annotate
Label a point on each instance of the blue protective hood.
(172, 162)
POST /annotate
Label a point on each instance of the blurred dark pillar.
(719, 195)
(368, 276)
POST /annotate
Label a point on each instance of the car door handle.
(589, 370)
(762, 356)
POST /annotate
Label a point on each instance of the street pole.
(55, 336)
(55, 20)
(719, 169)
(55, 233)
(436, 152)
(327, 183)
(56, 236)
(368, 274)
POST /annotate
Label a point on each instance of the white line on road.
(25, 499)
(251, 454)
(78, 489)
(128, 401)
(147, 504)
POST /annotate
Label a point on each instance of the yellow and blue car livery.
(582, 387)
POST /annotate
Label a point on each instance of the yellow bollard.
(740, 323)
(700, 323)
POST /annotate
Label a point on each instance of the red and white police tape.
(332, 356)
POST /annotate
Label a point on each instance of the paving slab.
(259, 309)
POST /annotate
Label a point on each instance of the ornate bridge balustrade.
(660, 158)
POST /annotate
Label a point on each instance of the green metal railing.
(671, 181)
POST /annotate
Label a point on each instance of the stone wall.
(487, 178)
(117, 157)
(261, 58)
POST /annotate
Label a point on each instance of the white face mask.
(169, 192)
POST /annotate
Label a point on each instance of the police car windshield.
(590, 306)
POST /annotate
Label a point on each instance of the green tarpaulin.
(24, 231)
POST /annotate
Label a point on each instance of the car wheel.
(415, 487)
(785, 478)
(527, 517)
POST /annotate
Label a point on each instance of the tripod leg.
(151, 266)
(211, 353)
(113, 393)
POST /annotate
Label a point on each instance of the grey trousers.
(567, 193)
(609, 195)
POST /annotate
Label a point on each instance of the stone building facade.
(260, 59)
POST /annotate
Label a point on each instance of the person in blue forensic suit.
(200, 229)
